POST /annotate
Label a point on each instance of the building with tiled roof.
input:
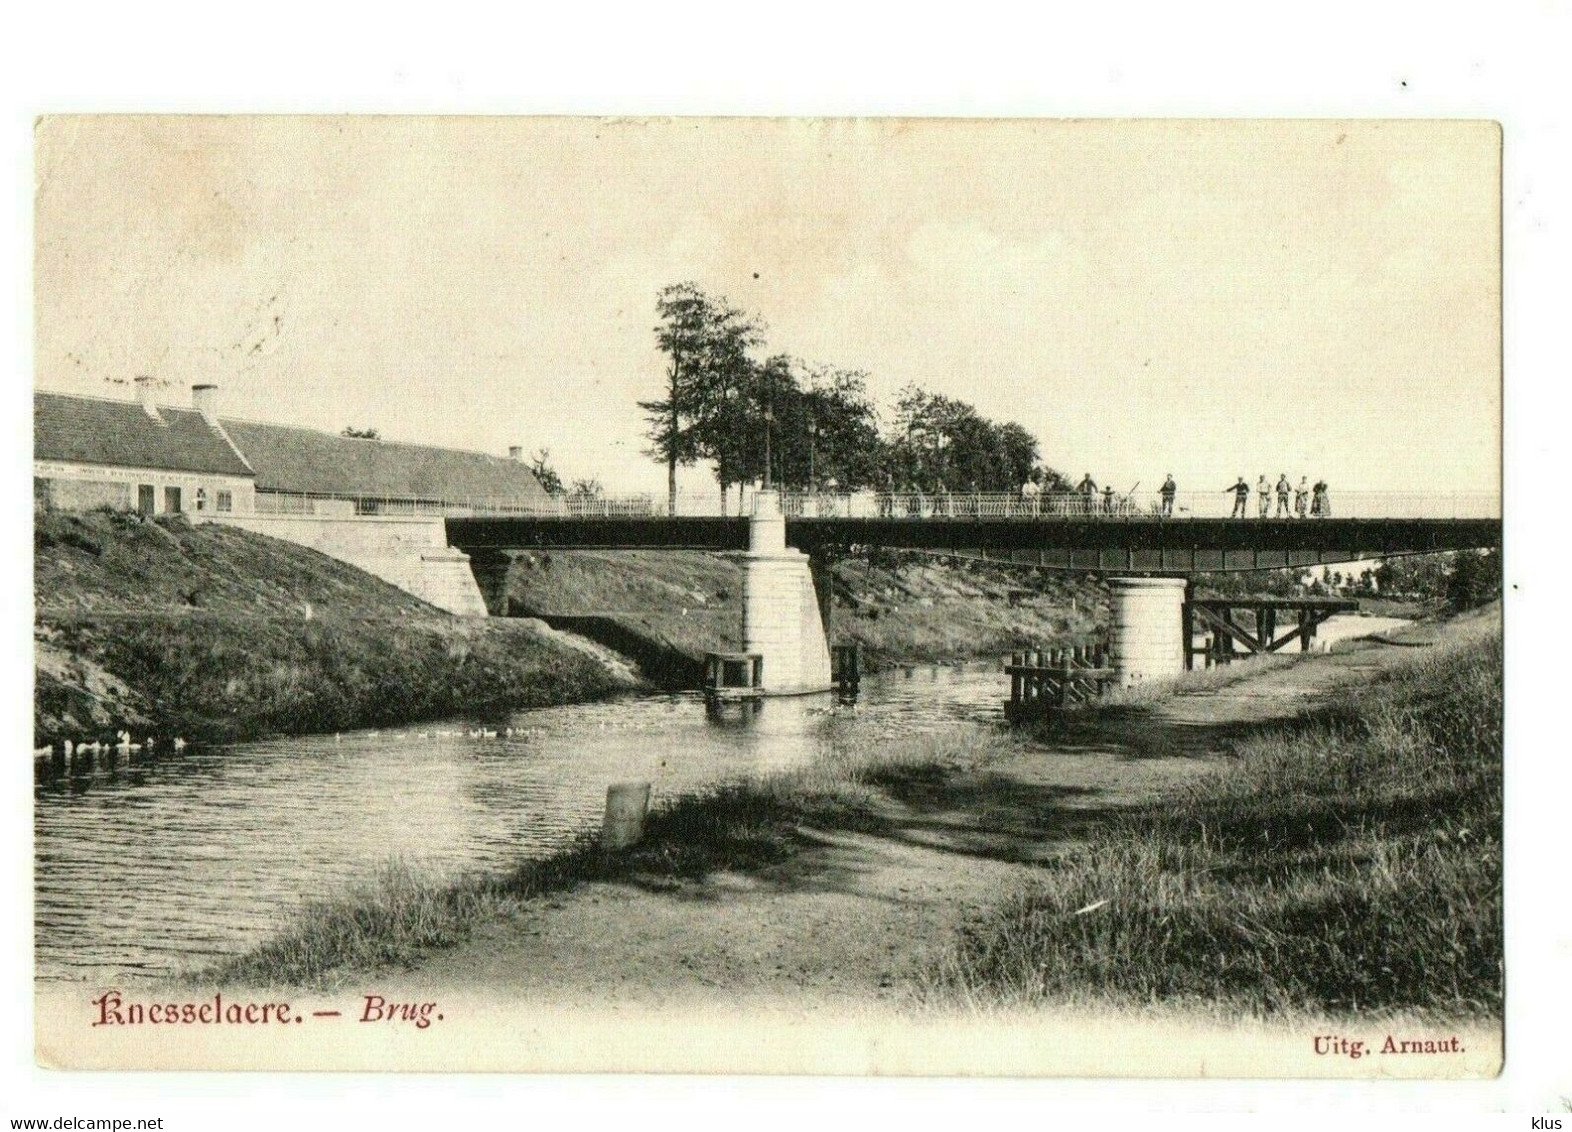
(304, 462)
(136, 455)
(374, 504)
(139, 455)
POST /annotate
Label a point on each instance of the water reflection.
(166, 861)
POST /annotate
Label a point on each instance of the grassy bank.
(399, 916)
(901, 608)
(158, 627)
(1349, 862)
(215, 633)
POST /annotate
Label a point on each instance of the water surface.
(157, 865)
(151, 866)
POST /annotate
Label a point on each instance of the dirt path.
(857, 917)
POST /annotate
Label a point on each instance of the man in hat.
(1241, 492)
(1168, 491)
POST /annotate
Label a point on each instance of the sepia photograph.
(870, 596)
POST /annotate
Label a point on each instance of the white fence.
(939, 506)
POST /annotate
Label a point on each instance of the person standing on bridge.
(1031, 490)
(1320, 505)
(1302, 496)
(1168, 491)
(887, 497)
(1088, 489)
(1263, 497)
(1241, 492)
(1283, 491)
(1108, 500)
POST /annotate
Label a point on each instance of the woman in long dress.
(1320, 505)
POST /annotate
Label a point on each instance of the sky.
(1209, 299)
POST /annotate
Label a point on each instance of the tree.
(740, 401)
(940, 438)
(809, 423)
(540, 465)
(1475, 580)
(1017, 456)
(821, 425)
(842, 441)
(706, 342)
(1423, 576)
(360, 433)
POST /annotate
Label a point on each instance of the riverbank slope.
(207, 632)
(214, 633)
(673, 606)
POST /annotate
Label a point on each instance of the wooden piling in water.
(846, 666)
(733, 675)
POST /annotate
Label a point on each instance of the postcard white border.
(1395, 60)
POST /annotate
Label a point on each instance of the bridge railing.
(1146, 505)
(632, 505)
(938, 506)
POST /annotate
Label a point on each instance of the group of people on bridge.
(1301, 502)
(1307, 500)
(1046, 494)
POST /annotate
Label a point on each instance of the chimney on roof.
(204, 399)
(144, 394)
(515, 452)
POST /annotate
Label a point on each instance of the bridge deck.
(1134, 544)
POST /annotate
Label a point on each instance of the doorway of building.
(172, 500)
(146, 499)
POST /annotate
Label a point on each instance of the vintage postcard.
(882, 596)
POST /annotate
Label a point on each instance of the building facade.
(137, 456)
(375, 504)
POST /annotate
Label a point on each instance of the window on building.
(201, 499)
(226, 501)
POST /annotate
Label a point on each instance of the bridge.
(1147, 544)
(1127, 534)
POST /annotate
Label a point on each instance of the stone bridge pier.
(1148, 629)
(781, 615)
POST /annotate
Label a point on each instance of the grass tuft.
(1348, 862)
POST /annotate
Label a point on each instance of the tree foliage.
(1460, 579)
(813, 422)
(1475, 579)
(706, 341)
(938, 439)
(540, 465)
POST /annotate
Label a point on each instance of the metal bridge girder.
(1128, 545)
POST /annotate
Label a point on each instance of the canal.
(151, 866)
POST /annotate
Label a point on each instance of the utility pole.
(813, 444)
(769, 420)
